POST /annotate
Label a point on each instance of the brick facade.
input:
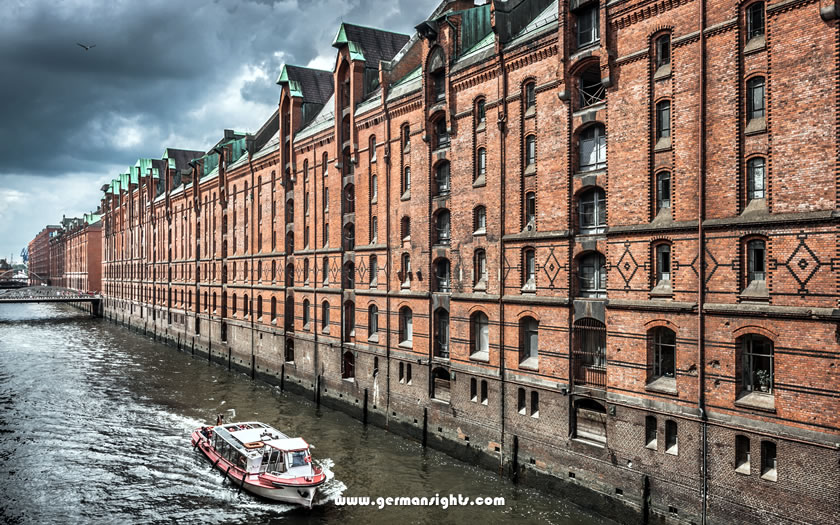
(39, 256)
(637, 294)
(74, 254)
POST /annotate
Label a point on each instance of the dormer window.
(437, 76)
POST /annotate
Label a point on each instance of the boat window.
(298, 459)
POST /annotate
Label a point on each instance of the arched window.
(235, 305)
(756, 267)
(592, 211)
(480, 265)
(289, 354)
(480, 164)
(374, 188)
(441, 333)
(348, 366)
(406, 138)
(755, 178)
(349, 275)
(529, 270)
(479, 220)
(442, 281)
(349, 321)
(590, 88)
(528, 342)
(479, 336)
(663, 190)
(529, 97)
(530, 151)
(441, 384)
(590, 421)
(324, 164)
(325, 316)
(273, 308)
(290, 275)
(663, 123)
(406, 326)
(406, 180)
(530, 211)
(273, 271)
(290, 242)
(441, 132)
(756, 364)
(442, 178)
(306, 314)
(405, 228)
(373, 265)
(246, 306)
(480, 112)
(406, 270)
(663, 53)
(662, 344)
(755, 103)
(349, 198)
(437, 75)
(305, 170)
(442, 227)
(589, 352)
(662, 264)
(592, 273)
(306, 272)
(372, 148)
(349, 236)
(374, 229)
(373, 320)
(289, 314)
(592, 148)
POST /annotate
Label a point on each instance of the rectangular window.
(663, 191)
(520, 401)
(663, 263)
(480, 112)
(483, 392)
(663, 51)
(755, 98)
(755, 261)
(530, 150)
(755, 178)
(473, 390)
(587, 25)
(755, 20)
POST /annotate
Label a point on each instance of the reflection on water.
(95, 423)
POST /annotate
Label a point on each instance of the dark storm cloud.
(154, 65)
(164, 73)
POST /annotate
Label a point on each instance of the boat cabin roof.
(239, 435)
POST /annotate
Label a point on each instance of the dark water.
(95, 422)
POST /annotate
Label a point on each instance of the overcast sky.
(164, 73)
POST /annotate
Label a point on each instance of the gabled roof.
(314, 85)
(368, 44)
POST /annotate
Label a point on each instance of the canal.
(95, 423)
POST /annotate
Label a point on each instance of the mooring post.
(227, 473)
(515, 460)
(318, 392)
(365, 408)
(646, 501)
(253, 367)
(282, 376)
(425, 425)
(179, 342)
(192, 349)
(230, 356)
(242, 484)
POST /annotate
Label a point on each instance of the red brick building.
(39, 256)
(593, 243)
(75, 254)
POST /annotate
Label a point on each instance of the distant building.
(39, 256)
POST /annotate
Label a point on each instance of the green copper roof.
(341, 40)
(295, 88)
(91, 218)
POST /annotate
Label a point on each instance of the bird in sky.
(86, 48)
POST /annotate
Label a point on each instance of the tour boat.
(262, 460)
